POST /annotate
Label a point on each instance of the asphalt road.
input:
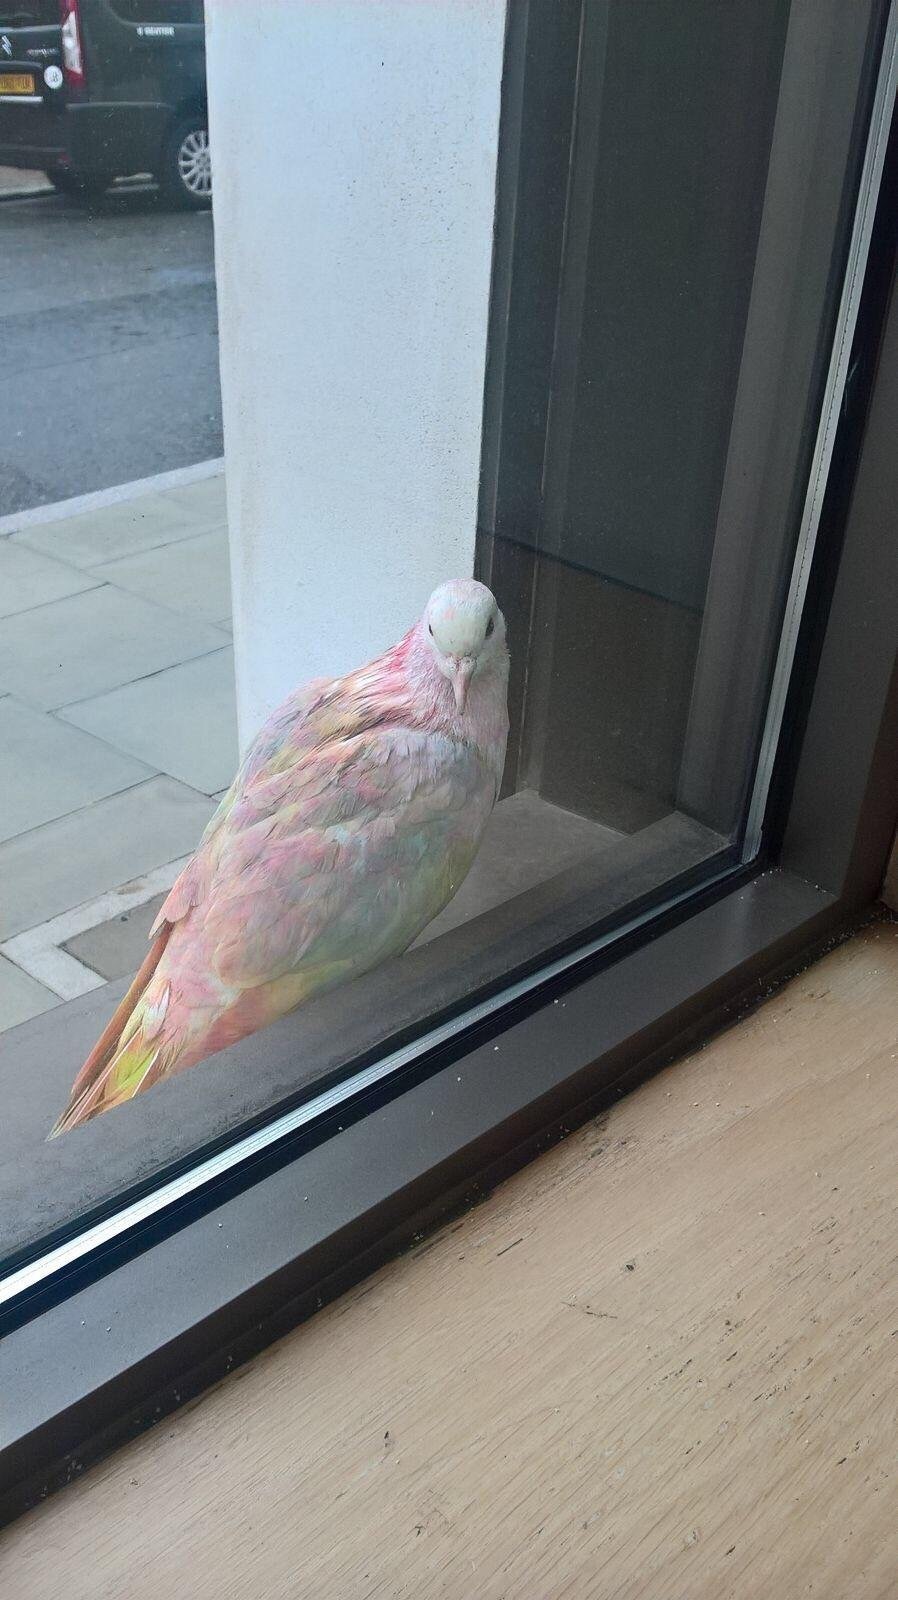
(108, 345)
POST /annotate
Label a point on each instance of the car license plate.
(16, 83)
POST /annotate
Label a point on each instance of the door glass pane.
(677, 183)
(666, 290)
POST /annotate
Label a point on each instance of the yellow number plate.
(16, 83)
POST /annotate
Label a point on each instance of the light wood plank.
(659, 1363)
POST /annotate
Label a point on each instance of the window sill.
(153, 1329)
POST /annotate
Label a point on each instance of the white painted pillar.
(354, 150)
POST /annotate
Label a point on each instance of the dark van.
(92, 90)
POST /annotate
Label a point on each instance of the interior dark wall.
(688, 105)
(611, 732)
(604, 625)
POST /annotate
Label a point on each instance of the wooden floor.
(661, 1362)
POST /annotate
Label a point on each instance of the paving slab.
(116, 948)
(205, 500)
(28, 579)
(101, 847)
(48, 769)
(21, 997)
(182, 721)
(93, 642)
(121, 529)
(191, 576)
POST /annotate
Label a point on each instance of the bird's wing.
(285, 734)
(316, 873)
(339, 860)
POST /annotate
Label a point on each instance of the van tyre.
(186, 176)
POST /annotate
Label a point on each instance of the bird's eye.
(490, 626)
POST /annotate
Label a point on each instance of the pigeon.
(353, 819)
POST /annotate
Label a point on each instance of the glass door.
(676, 192)
(684, 195)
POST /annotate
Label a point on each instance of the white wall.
(354, 150)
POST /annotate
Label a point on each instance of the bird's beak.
(462, 672)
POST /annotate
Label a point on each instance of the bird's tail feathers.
(126, 1052)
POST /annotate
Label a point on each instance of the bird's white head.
(465, 631)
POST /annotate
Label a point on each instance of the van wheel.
(79, 185)
(186, 176)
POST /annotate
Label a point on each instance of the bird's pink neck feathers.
(408, 677)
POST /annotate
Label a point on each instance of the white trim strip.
(868, 194)
(178, 478)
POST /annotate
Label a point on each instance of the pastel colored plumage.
(353, 819)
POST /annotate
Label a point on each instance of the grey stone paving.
(48, 769)
(20, 996)
(79, 857)
(28, 578)
(196, 570)
(117, 721)
(181, 721)
(204, 501)
(81, 646)
(116, 948)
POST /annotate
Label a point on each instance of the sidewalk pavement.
(117, 729)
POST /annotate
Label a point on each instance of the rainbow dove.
(355, 815)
